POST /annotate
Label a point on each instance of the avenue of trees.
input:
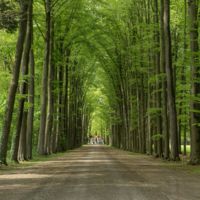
(128, 70)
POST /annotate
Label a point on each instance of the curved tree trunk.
(14, 82)
(24, 86)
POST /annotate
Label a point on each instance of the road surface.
(99, 173)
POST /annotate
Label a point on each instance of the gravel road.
(97, 172)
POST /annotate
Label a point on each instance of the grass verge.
(25, 164)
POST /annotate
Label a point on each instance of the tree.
(170, 84)
(14, 81)
(31, 90)
(164, 84)
(195, 86)
(44, 96)
(22, 113)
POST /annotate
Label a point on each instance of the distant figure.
(100, 140)
(95, 140)
(92, 140)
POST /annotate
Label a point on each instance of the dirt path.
(99, 173)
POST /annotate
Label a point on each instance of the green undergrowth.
(179, 166)
(38, 158)
(182, 165)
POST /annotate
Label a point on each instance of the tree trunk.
(44, 92)
(60, 107)
(31, 88)
(24, 86)
(49, 125)
(195, 75)
(66, 100)
(14, 82)
(158, 85)
(30, 117)
(183, 125)
(170, 85)
(22, 143)
(164, 85)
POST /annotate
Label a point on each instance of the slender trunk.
(158, 85)
(195, 85)
(31, 86)
(24, 86)
(170, 85)
(183, 125)
(60, 108)
(66, 101)
(150, 150)
(30, 117)
(142, 116)
(164, 85)
(54, 136)
(22, 144)
(49, 123)
(44, 92)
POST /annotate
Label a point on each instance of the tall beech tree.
(22, 114)
(170, 83)
(44, 96)
(164, 84)
(31, 90)
(195, 86)
(14, 82)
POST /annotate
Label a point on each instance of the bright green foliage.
(106, 77)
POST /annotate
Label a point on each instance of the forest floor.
(96, 172)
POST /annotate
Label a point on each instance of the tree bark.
(24, 86)
(30, 117)
(170, 85)
(195, 85)
(165, 127)
(44, 92)
(183, 128)
(22, 144)
(14, 82)
(158, 85)
(49, 125)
